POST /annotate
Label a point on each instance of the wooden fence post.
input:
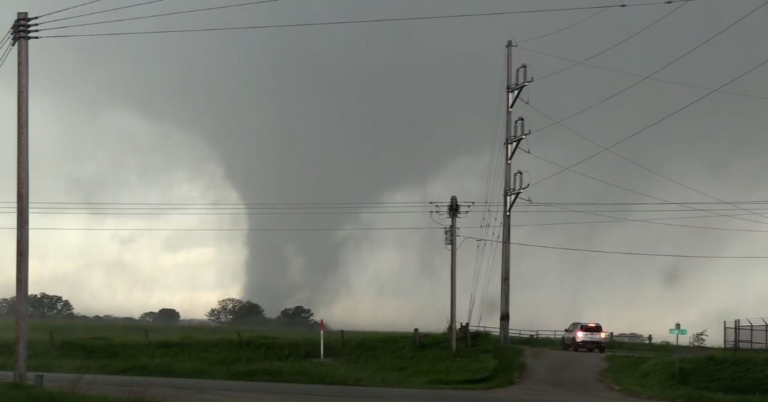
(53, 343)
(469, 336)
(342, 339)
(416, 336)
(241, 339)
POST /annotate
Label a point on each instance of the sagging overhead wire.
(638, 75)
(159, 15)
(584, 250)
(615, 45)
(98, 12)
(653, 221)
(657, 121)
(659, 70)
(379, 20)
(4, 54)
(69, 8)
(569, 26)
(651, 171)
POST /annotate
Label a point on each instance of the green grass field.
(365, 359)
(16, 393)
(716, 377)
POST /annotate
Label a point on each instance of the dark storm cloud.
(354, 113)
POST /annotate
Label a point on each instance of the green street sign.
(673, 331)
(683, 332)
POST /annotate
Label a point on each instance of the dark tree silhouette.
(298, 316)
(40, 306)
(149, 316)
(167, 316)
(235, 311)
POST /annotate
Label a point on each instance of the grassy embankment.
(717, 377)
(364, 359)
(16, 393)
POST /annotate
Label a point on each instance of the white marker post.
(322, 328)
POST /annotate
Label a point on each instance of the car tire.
(563, 345)
(574, 345)
(602, 350)
(590, 350)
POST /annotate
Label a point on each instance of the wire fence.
(746, 334)
(521, 333)
(622, 337)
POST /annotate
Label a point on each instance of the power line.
(567, 27)
(659, 70)
(338, 205)
(6, 37)
(656, 203)
(222, 230)
(646, 168)
(637, 75)
(155, 213)
(380, 20)
(657, 122)
(227, 208)
(262, 204)
(490, 184)
(625, 189)
(583, 250)
(100, 12)
(46, 211)
(5, 54)
(623, 220)
(617, 44)
(159, 15)
(653, 221)
(69, 8)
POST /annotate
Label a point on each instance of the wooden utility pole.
(21, 38)
(453, 210)
(513, 186)
(505, 256)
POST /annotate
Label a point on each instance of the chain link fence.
(746, 334)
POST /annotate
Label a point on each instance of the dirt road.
(551, 376)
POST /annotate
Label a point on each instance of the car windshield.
(592, 328)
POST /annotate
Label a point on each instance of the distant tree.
(225, 311)
(699, 339)
(235, 311)
(40, 306)
(149, 316)
(249, 313)
(167, 316)
(7, 307)
(298, 316)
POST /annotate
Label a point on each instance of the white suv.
(588, 336)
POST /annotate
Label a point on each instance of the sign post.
(322, 329)
(677, 331)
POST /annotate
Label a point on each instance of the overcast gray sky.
(398, 111)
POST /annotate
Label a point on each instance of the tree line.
(227, 312)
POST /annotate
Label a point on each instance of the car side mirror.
(565, 330)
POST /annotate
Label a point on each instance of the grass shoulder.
(715, 377)
(360, 359)
(18, 393)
